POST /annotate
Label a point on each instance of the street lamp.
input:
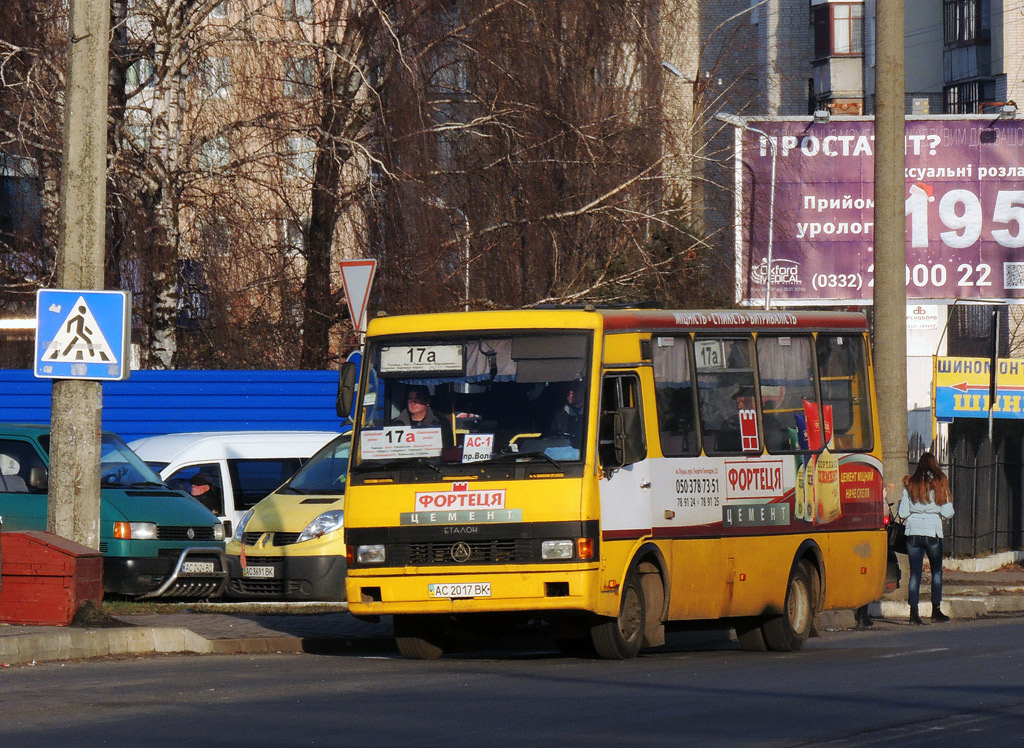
(439, 203)
(736, 121)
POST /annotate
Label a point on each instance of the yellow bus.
(602, 474)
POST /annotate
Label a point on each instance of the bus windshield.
(474, 398)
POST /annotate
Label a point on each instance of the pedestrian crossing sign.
(82, 334)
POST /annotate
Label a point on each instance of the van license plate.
(197, 567)
(464, 589)
(258, 572)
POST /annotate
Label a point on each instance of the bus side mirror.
(347, 378)
(621, 440)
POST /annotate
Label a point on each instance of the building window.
(214, 154)
(838, 29)
(967, 98)
(301, 155)
(298, 10)
(216, 76)
(299, 76)
(963, 22)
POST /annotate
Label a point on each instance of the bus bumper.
(480, 592)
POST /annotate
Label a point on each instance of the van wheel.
(620, 638)
(788, 632)
(417, 638)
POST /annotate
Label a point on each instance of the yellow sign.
(962, 387)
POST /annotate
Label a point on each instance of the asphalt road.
(959, 684)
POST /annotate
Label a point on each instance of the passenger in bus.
(568, 419)
(729, 437)
(776, 437)
(418, 414)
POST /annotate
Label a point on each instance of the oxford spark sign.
(964, 210)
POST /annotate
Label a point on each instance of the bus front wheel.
(788, 632)
(417, 638)
(620, 638)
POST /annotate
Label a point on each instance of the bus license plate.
(197, 567)
(463, 589)
(258, 572)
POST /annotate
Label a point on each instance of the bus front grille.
(479, 552)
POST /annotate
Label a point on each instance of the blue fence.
(163, 402)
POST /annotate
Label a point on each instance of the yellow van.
(289, 546)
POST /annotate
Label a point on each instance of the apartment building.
(962, 56)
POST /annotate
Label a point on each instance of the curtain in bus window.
(725, 374)
(785, 366)
(842, 366)
(673, 393)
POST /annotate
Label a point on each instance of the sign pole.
(74, 485)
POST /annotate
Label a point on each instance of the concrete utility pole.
(74, 503)
(890, 242)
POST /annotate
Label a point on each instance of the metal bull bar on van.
(198, 573)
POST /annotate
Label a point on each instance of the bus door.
(622, 450)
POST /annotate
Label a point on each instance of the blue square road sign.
(82, 334)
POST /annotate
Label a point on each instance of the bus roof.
(623, 320)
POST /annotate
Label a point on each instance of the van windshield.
(465, 398)
(325, 472)
(120, 467)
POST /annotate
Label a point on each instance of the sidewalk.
(975, 588)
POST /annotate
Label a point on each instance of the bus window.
(673, 394)
(724, 373)
(842, 366)
(785, 368)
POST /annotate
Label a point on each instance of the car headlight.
(554, 550)
(237, 536)
(135, 530)
(218, 531)
(325, 523)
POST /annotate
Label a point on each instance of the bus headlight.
(325, 523)
(370, 554)
(556, 550)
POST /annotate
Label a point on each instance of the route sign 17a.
(82, 334)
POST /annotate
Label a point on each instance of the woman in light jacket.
(926, 502)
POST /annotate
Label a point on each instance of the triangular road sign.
(79, 339)
(357, 278)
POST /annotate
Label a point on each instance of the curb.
(75, 644)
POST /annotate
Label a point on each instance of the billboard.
(964, 210)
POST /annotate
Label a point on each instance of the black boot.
(938, 616)
(914, 617)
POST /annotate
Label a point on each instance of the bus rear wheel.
(417, 638)
(788, 632)
(620, 638)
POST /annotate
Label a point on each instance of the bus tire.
(788, 632)
(620, 638)
(417, 639)
(749, 634)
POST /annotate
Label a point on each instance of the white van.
(240, 467)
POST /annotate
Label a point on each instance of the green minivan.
(156, 542)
